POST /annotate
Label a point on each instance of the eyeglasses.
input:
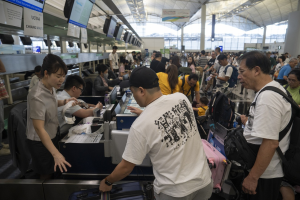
(81, 89)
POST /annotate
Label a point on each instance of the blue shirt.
(285, 70)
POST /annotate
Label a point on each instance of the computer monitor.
(113, 95)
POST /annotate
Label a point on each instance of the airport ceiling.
(244, 14)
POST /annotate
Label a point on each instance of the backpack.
(237, 149)
(234, 76)
(221, 110)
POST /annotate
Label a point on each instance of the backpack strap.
(203, 108)
(289, 99)
(286, 86)
(183, 82)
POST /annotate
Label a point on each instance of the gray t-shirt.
(41, 105)
(70, 111)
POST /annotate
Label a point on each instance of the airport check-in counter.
(93, 161)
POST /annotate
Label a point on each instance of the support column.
(181, 37)
(298, 5)
(94, 66)
(7, 85)
(203, 21)
(48, 43)
(81, 47)
(292, 39)
(90, 47)
(264, 37)
(63, 46)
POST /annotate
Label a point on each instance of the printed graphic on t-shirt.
(250, 122)
(176, 127)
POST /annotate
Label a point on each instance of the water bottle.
(106, 101)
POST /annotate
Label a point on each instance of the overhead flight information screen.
(37, 5)
(80, 14)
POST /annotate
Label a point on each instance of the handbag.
(3, 92)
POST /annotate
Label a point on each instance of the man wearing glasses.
(74, 86)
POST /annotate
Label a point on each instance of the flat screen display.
(36, 49)
(81, 11)
(37, 5)
(111, 28)
(131, 40)
(119, 33)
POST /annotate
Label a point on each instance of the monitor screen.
(120, 31)
(37, 5)
(126, 37)
(36, 49)
(111, 28)
(131, 40)
(113, 96)
(80, 14)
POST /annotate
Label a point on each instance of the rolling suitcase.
(126, 191)
(218, 165)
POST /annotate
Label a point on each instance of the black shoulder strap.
(286, 86)
(183, 82)
(203, 108)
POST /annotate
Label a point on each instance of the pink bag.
(217, 164)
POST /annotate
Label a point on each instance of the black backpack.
(221, 110)
(237, 149)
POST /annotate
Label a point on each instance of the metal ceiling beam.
(117, 12)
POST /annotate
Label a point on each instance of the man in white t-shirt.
(129, 57)
(74, 86)
(224, 74)
(270, 115)
(167, 131)
(113, 60)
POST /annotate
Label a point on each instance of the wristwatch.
(107, 182)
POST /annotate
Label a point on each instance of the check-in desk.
(93, 161)
(124, 117)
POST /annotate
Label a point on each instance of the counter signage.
(33, 23)
(99, 54)
(73, 30)
(10, 14)
(83, 35)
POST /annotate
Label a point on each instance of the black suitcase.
(126, 191)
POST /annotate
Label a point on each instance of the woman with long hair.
(168, 81)
(176, 61)
(192, 64)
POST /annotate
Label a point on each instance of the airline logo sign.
(33, 23)
(175, 15)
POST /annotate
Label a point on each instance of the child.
(202, 106)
